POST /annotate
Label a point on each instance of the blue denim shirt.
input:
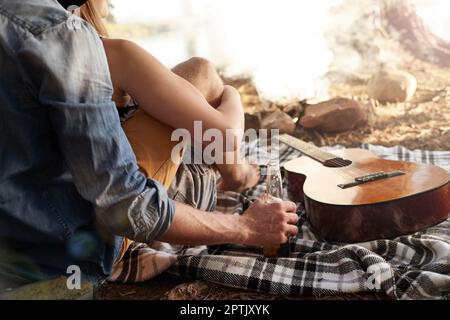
(69, 181)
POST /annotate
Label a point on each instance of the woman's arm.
(168, 97)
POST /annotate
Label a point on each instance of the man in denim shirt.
(69, 183)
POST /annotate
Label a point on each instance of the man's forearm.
(193, 227)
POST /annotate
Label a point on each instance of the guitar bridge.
(371, 178)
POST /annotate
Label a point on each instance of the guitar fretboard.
(307, 149)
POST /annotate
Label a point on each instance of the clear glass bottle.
(274, 184)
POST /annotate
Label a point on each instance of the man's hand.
(268, 224)
(262, 225)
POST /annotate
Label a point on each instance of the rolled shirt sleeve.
(67, 68)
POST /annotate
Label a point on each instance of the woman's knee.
(202, 74)
(198, 71)
(202, 65)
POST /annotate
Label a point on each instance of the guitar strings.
(343, 164)
(346, 170)
(343, 168)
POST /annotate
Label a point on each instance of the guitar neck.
(307, 149)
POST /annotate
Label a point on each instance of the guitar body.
(380, 209)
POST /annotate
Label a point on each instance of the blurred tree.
(111, 18)
(371, 38)
(191, 41)
(403, 22)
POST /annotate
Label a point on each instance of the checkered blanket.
(410, 267)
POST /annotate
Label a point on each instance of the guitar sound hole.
(337, 163)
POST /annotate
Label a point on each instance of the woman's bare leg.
(202, 74)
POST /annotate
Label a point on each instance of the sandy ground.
(422, 123)
(168, 287)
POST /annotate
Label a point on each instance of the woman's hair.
(91, 15)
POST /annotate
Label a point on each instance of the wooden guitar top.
(322, 183)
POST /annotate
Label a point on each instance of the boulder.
(278, 120)
(390, 85)
(334, 116)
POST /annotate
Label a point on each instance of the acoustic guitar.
(353, 196)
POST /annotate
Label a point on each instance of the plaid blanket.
(410, 267)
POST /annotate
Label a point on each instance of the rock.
(253, 121)
(390, 85)
(278, 120)
(336, 115)
(294, 109)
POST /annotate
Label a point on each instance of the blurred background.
(288, 55)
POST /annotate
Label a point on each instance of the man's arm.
(262, 224)
(68, 71)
